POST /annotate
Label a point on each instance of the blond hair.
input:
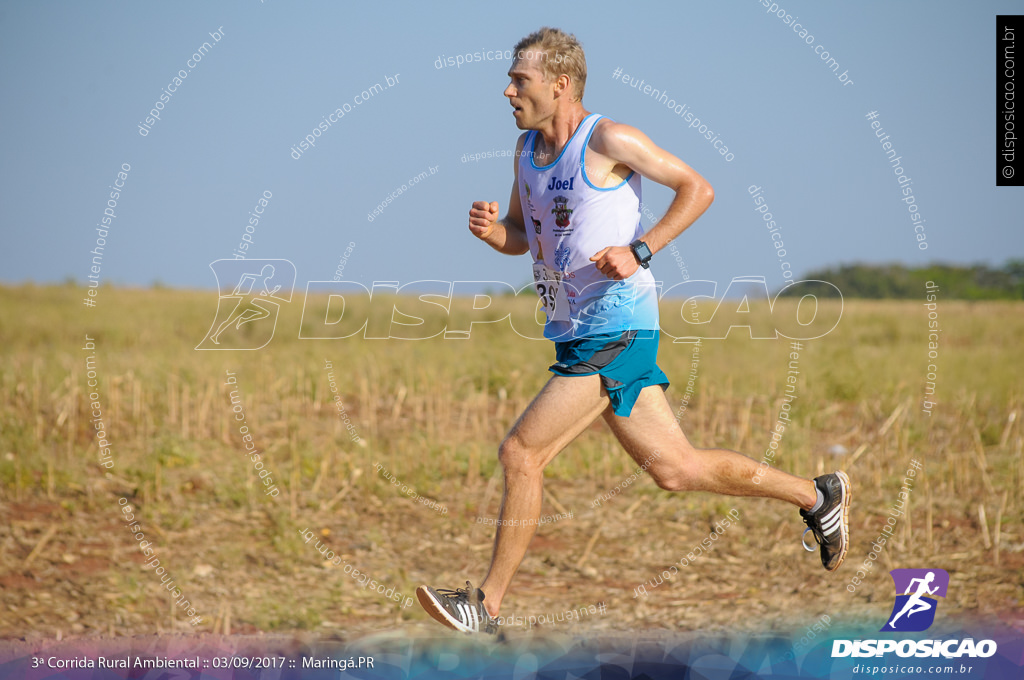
(560, 53)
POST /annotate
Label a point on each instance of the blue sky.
(79, 78)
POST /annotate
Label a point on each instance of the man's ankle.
(492, 603)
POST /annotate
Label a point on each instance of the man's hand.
(482, 217)
(616, 262)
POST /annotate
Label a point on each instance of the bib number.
(548, 283)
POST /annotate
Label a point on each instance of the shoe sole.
(437, 612)
(844, 482)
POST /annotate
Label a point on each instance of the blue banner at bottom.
(401, 655)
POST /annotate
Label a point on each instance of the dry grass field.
(430, 414)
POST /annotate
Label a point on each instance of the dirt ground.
(79, 574)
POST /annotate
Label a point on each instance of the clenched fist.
(616, 262)
(482, 217)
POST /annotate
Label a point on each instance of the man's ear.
(563, 84)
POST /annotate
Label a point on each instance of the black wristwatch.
(641, 252)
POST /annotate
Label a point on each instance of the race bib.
(548, 283)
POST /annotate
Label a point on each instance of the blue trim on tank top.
(583, 165)
(533, 146)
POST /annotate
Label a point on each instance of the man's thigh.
(563, 409)
(651, 433)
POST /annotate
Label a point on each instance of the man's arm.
(507, 235)
(625, 144)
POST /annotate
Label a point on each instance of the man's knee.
(677, 474)
(674, 480)
(515, 456)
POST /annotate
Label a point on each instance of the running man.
(914, 603)
(577, 178)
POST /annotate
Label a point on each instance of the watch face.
(643, 253)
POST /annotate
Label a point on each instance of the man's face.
(531, 97)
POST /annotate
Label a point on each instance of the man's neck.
(560, 128)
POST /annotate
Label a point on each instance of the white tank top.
(569, 221)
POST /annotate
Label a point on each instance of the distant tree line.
(896, 281)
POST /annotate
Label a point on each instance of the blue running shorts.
(626, 362)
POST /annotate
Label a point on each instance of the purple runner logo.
(250, 297)
(914, 610)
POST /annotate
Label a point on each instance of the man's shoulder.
(607, 133)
